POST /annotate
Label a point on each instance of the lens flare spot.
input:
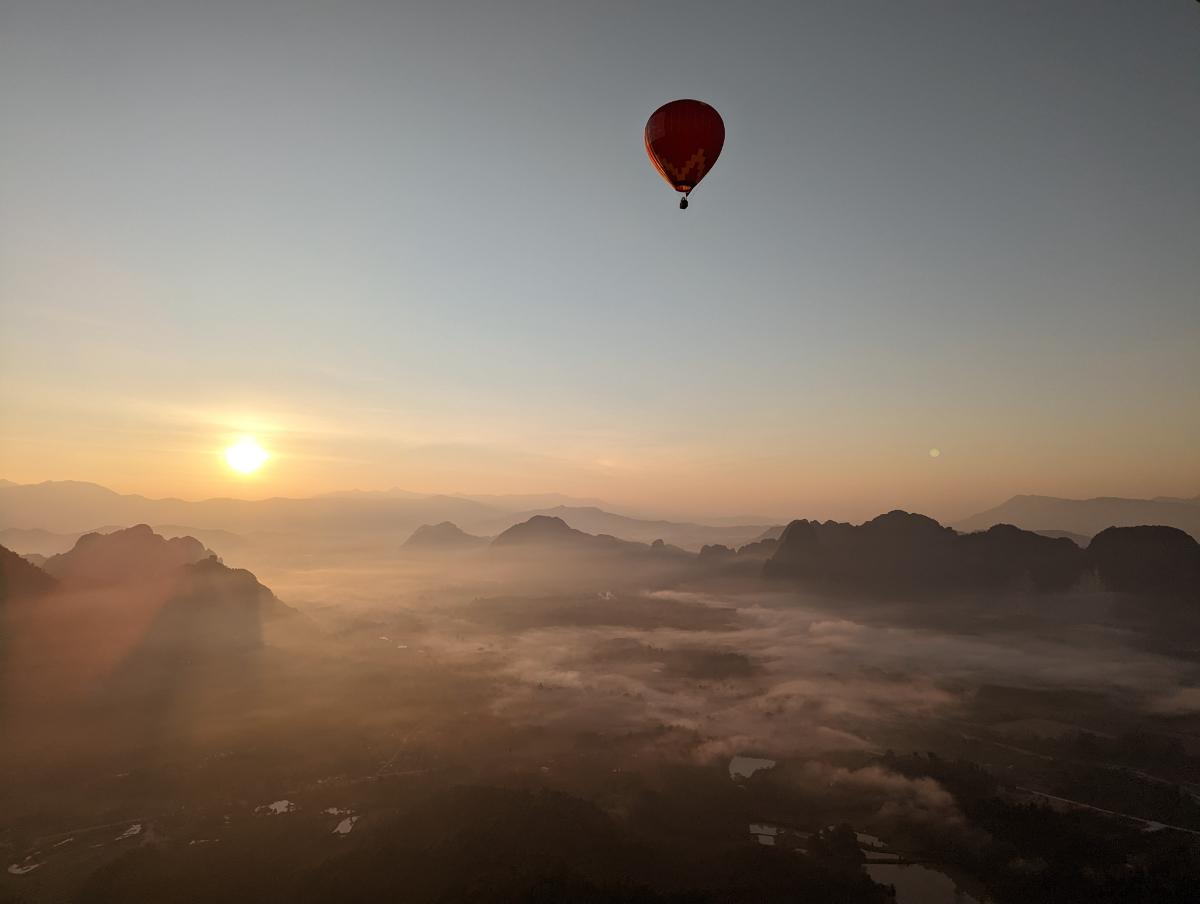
(934, 453)
(246, 455)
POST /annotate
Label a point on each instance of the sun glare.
(246, 456)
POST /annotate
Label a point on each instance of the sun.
(246, 455)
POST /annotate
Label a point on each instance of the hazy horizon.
(518, 502)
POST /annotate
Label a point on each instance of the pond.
(746, 766)
(918, 884)
(766, 834)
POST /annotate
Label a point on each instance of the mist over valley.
(301, 699)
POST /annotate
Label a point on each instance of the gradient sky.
(421, 245)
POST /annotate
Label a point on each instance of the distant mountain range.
(545, 533)
(47, 518)
(897, 554)
(592, 520)
(1087, 516)
(69, 508)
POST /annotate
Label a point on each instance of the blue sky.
(421, 245)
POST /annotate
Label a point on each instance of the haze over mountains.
(356, 718)
(134, 553)
(442, 538)
(74, 507)
(47, 518)
(1088, 516)
(125, 612)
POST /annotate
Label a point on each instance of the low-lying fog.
(584, 643)
(545, 666)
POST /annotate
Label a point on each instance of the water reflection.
(919, 885)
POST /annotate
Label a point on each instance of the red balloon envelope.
(684, 139)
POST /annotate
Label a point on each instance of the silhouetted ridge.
(446, 535)
(901, 552)
(746, 561)
(759, 549)
(20, 579)
(548, 530)
(1080, 540)
(1004, 553)
(1157, 560)
(135, 553)
(552, 533)
(540, 529)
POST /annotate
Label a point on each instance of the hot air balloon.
(684, 139)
